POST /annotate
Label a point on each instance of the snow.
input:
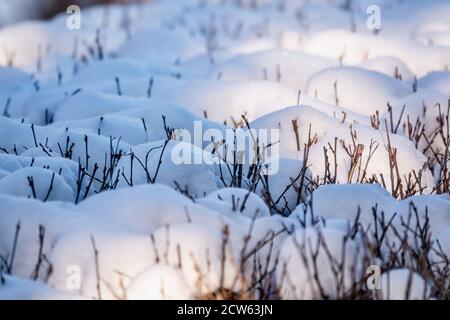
(113, 183)
(12, 79)
(348, 86)
(290, 172)
(120, 256)
(425, 106)
(402, 284)
(242, 201)
(201, 257)
(46, 185)
(354, 48)
(390, 66)
(299, 267)
(226, 210)
(79, 106)
(108, 71)
(290, 68)
(159, 283)
(24, 289)
(109, 125)
(228, 101)
(164, 47)
(154, 162)
(18, 40)
(30, 214)
(342, 206)
(34, 157)
(143, 211)
(375, 198)
(313, 123)
(438, 80)
(441, 247)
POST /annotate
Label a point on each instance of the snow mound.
(228, 101)
(373, 199)
(291, 68)
(425, 109)
(128, 150)
(300, 126)
(354, 48)
(402, 284)
(143, 213)
(24, 289)
(160, 117)
(304, 255)
(242, 201)
(438, 80)
(171, 163)
(12, 79)
(66, 168)
(129, 130)
(37, 183)
(390, 66)
(118, 257)
(80, 105)
(205, 257)
(108, 71)
(162, 48)
(159, 283)
(29, 220)
(349, 86)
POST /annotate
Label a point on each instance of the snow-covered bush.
(119, 179)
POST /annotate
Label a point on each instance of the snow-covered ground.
(120, 175)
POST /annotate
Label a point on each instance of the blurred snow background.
(16, 10)
(79, 107)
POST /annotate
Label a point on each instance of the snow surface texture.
(94, 205)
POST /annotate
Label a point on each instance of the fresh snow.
(119, 179)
